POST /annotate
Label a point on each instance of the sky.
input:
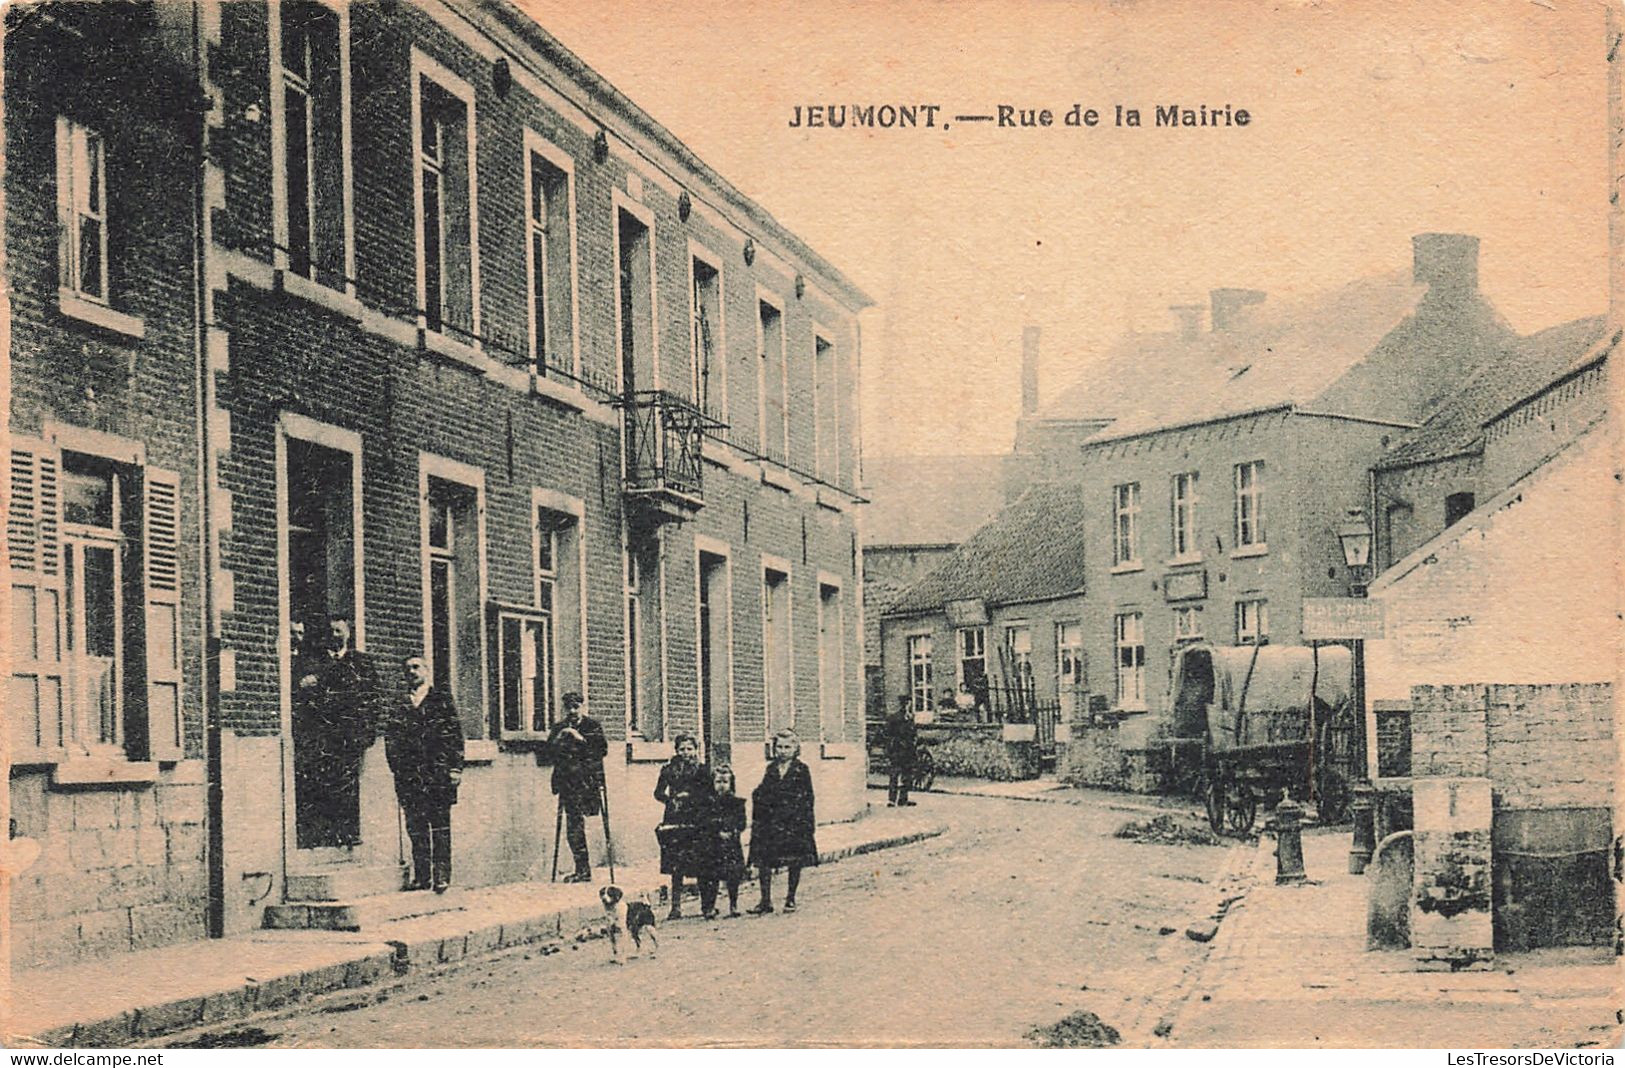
(1370, 121)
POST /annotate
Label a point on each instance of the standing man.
(901, 739)
(578, 747)
(340, 696)
(424, 743)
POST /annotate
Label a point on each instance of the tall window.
(971, 669)
(81, 200)
(1250, 503)
(707, 325)
(1069, 675)
(1187, 623)
(1252, 622)
(533, 643)
(1018, 655)
(313, 141)
(831, 663)
(919, 672)
(1126, 523)
(773, 413)
(645, 700)
(776, 656)
(1130, 641)
(636, 294)
(453, 562)
(445, 176)
(826, 411)
(549, 252)
(95, 660)
(1184, 516)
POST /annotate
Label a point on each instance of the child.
(684, 787)
(724, 822)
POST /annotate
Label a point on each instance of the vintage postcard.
(909, 525)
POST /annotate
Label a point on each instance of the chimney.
(1446, 263)
(1190, 320)
(1029, 370)
(1228, 305)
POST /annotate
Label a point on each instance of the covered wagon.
(1266, 719)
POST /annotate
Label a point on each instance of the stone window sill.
(451, 348)
(479, 751)
(1183, 561)
(1246, 551)
(773, 476)
(296, 285)
(1128, 567)
(74, 306)
(643, 751)
(89, 772)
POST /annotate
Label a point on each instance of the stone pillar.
(1452, 924)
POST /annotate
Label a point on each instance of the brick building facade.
(499, 371)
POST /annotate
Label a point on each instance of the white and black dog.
(633, 918)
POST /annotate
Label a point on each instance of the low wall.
(979, 751)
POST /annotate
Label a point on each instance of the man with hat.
(578, 747)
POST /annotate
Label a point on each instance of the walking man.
(336, 703)
(424, 743)
(578, 747)
(901, 739)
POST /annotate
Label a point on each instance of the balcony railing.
(665, 468)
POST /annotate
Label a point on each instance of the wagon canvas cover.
(1210, 681)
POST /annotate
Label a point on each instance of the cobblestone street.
(1020, 915)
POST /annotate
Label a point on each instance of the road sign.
(1337, 618)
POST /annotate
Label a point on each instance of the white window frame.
(1126, 526)
(1129, 634)
(960, 635)
(1252, 621)
(467, 476)
(1251, 536)
(1183, 532)
(780, 566)
(772, 300)
(920, 670)
(831, 712)
(723, 612)
(715, 384)
(822, 336)
(1018, 658)
(422, 66)
(536, 145)
(1068, 651)
(280, 206)
(1187, 623)
(636, 588)
(73, 162)
(620, 202)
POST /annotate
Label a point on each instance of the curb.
(371, 965)
(1116, 806)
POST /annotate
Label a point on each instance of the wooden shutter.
(34, 698)
(160, 516)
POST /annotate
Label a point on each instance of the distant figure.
(684, 787)
(578, 747)
(902, 737)
(335, 721)
(423, 740)
(781, 821)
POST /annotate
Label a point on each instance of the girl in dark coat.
(684, 787)
(724, 823)
(782, 821)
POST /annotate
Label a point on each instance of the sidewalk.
(134, 997)
(1289, 968)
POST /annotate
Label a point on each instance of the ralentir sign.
(1336, 618)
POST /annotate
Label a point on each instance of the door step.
(344, 882)
(360, 913)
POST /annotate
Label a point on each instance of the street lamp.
(1354, 534)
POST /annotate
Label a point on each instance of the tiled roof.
(1457, 426)
(1030, 551)
(929, 500)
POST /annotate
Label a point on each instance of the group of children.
(700, 830)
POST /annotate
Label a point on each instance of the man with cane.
(578, 747)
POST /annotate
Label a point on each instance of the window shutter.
(161, 537)
(34, 702)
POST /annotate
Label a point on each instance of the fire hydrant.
(1362, 811)
(1287, 823)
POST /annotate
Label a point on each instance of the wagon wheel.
(925, 770)
(1240, 808)
(1214, 796)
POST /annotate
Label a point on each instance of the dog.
(634, 918)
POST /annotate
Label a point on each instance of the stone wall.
(978, 750)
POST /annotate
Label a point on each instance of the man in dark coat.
(901, 740)
(424, 743)
(336, 701)
(578, 747)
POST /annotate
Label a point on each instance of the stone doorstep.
(341, 883)
(406, 943)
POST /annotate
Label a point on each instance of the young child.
(724, 822)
